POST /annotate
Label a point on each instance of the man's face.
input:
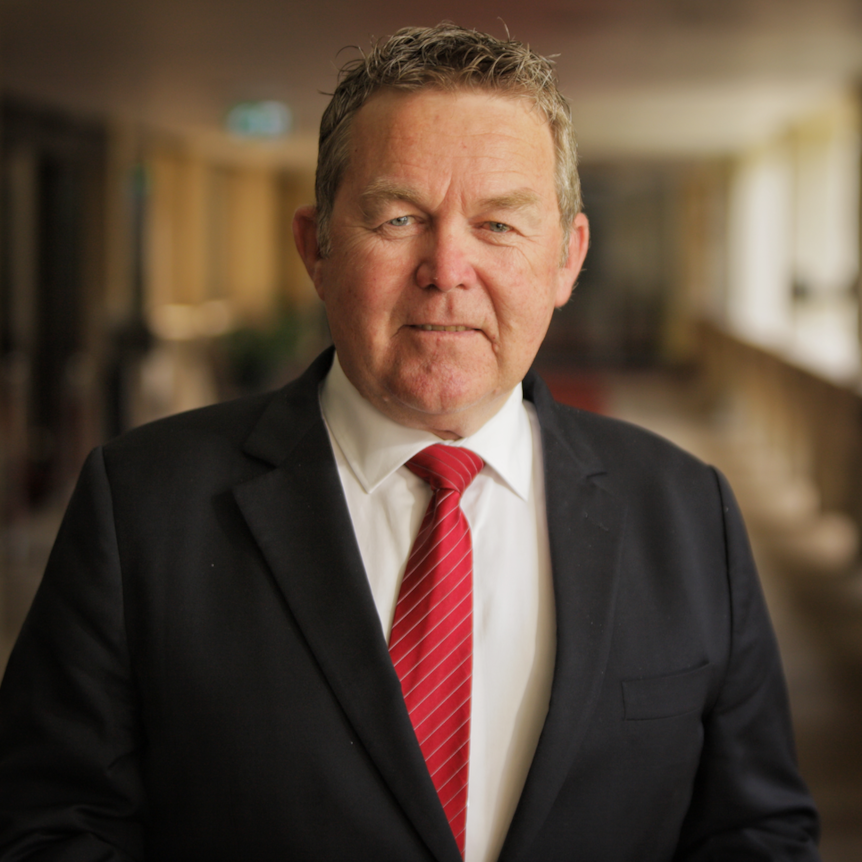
(446, 254)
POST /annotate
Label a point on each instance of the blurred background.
(152, 155)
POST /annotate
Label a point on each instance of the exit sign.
(260, 119)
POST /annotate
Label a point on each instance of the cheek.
(373, 277)
(363, 313)
(528, 285)
(528, 310)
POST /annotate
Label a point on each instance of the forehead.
(433, 134)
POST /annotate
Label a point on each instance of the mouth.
(431, 327)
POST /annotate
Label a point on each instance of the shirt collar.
(376, 446)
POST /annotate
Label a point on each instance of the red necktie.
(431, 643)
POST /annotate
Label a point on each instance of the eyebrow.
(514, 200)
(382, 191)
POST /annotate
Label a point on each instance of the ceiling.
(668, 78)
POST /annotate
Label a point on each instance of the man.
(214, 667)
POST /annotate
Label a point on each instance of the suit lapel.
(585, 526)
(299, 518)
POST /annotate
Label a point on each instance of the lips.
(430, 327)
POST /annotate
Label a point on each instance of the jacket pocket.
(666, 696)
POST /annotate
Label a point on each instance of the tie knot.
(446, 466)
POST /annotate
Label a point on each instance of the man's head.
(439, 257)
(445, 57)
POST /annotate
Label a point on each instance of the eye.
(498, 227)
(400, 221)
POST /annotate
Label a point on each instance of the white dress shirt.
(514, 631)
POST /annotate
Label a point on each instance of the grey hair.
(446, 57)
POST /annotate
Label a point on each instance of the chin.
(446, 404)
(438, 392)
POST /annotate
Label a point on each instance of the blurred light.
(260, 119)
(183, 322)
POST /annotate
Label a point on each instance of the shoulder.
(220, 444)
(666, 492)
(183, 459)
(223, 425)
(620, 450)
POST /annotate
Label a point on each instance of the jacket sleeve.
(749, 802)
(70, 783)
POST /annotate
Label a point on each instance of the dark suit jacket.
(203, 675)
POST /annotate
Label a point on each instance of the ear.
(579, 242)
(305, 237)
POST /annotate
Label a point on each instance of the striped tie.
(431, 644)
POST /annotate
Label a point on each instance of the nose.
(445, 262)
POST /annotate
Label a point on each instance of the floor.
(807, 563)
